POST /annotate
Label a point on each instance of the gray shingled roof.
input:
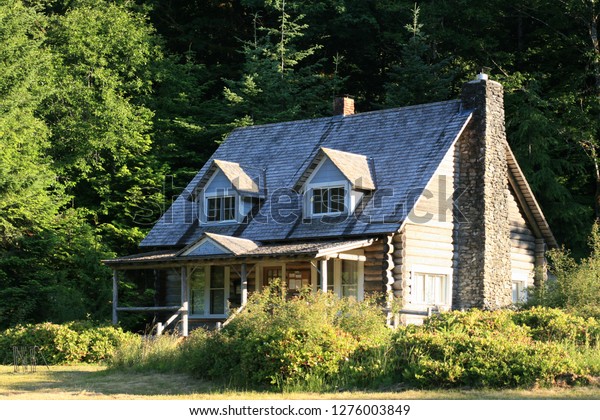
(405, 146)
(530, 204)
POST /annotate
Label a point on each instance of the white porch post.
(115, 300)
(244, 278)
(324, 276)
(184, 302)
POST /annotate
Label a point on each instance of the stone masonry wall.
(483, 271)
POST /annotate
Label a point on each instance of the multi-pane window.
(197, 289)
(270, 274)
(349, 278)
(431, 289)
(219, 209)
(217, 290)
(328, 200)
(519, 292)
(208, 295)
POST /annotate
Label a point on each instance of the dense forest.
(107, 109)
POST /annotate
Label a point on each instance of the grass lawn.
(95, 382)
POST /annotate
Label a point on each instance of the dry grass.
(95, 382)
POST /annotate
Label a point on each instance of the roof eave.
(527, 199)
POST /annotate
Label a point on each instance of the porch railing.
(160, 327)
(232, 316)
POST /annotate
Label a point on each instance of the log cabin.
(424, 204)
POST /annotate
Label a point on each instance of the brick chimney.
(483, 273)
(343, 106)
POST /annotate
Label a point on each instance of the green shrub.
(430, 358)
(320, 342)
(300, 343)
(476, 322)
(575, 286)
(494, 349)
(61, 344)
(549, 324)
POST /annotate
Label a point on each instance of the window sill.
(326, 215)
(224, 222)
(425, 306)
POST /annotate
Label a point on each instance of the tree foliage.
(108, 108)
(576, 285)
(276, 83)
(29, 193)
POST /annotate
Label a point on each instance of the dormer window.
(220, 209)
(328, 200)
(228, 192)
(334, 183)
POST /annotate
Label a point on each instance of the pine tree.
(274, 85)
(420, 76)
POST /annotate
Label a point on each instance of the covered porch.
(209, 282)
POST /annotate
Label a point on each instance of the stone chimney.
(343, 106)
(483, 273)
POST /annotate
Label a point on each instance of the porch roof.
(315, 249)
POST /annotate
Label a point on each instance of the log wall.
(522, 243)
(427, 237)
(375, 267)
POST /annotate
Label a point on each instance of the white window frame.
(521, 289)
(524, 279)
(352, 197)
(207, 314)
(225, 192)
(221, 196)
(309, 198)
(360, 279)
(431, 271)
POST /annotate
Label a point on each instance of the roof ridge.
(336, 118)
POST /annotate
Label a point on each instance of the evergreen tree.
(49, 262)
(420, 76)
(274, 86)
(551, 164)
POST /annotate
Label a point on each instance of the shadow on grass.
(99, 381)
(95, 382)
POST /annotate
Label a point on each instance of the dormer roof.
(353, 166)
(238, 177)
(245, 179)
(214, 244)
